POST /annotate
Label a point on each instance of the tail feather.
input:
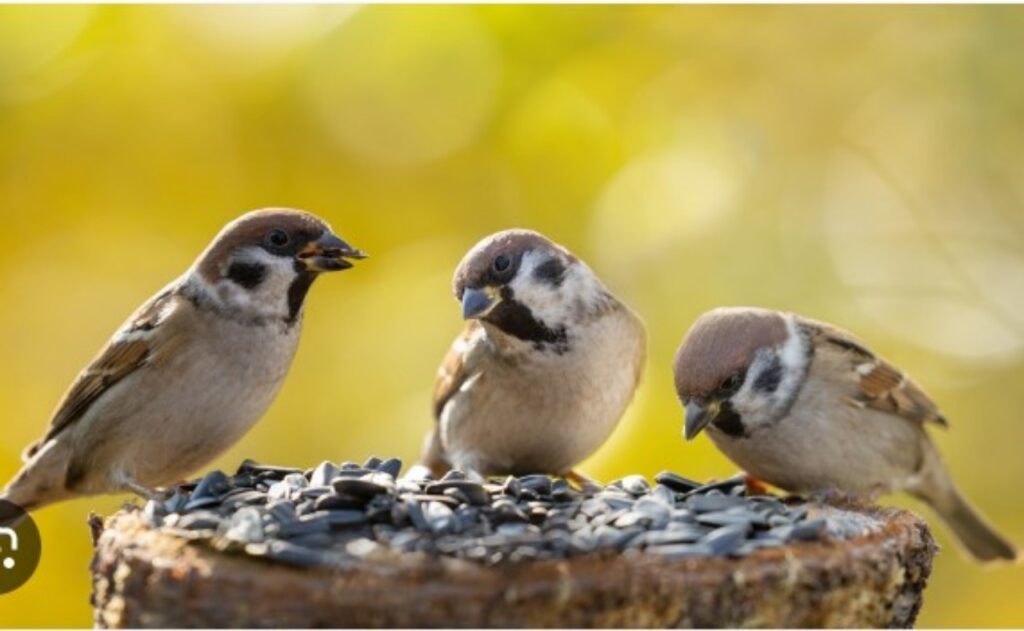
(16, 494)
(11, 512)
(40, 481)
(975, 532)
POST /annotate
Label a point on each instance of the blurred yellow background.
(856, 164)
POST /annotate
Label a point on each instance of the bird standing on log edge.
(191, 371)
(807, 407)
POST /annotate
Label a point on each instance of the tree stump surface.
(146, 577)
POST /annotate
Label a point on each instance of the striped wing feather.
(130, 349)
(881, 385)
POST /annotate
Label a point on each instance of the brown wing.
(130, 348)
(881, 385)
(456, 368)
(453, 370)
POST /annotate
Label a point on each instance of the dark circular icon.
(20, 547)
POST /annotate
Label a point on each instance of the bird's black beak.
(477, 303)
(698, 417)
(329, 254)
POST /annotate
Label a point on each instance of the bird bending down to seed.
(807, 407)
(544, 369)
(191, 370)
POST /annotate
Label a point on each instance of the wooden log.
(144, 577)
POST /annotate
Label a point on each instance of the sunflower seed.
(712, 503)
(253, 468)
(677, 483)
(657, 513)
(200, 502)
(539, 484)
(323, 474)
(290, 553)
(470, 492)
(307, 517)
(214, 484)
(688, 534)
(810, 530)
(246, 526)
(360, 487)
(635, 484)
(726, 540)
(200, 520)
(307, 525)
(153, 513)
(391, 466)
(725, 518)
(345, 517)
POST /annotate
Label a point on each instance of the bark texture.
(147, 578)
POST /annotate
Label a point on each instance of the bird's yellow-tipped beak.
(329, 254)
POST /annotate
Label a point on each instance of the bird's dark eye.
(733, 383)
(501, 263)
(278, 238)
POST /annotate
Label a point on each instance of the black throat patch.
(516, 319)
(730, 422)
(297, 294)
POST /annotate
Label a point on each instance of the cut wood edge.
(143, 577)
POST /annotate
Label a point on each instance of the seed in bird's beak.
(329, 254)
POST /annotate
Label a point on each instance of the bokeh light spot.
(31, 38)
(403, 86)
(917, 278)
(259, 34)
(662, 199)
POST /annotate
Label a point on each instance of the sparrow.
(544, 369)
(191, 370)
(807, 407)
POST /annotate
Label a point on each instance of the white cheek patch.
(581, 282)
(760, 405)
(751, 401)
(794, 350)
(545, 302)
(270, 297)
(550, 304)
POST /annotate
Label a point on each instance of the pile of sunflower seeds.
(340, 515)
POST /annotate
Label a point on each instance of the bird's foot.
(583, 482)
(755, 486)
(144, 491)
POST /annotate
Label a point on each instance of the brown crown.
(475, 268)
(252, 228)
(722, 342)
